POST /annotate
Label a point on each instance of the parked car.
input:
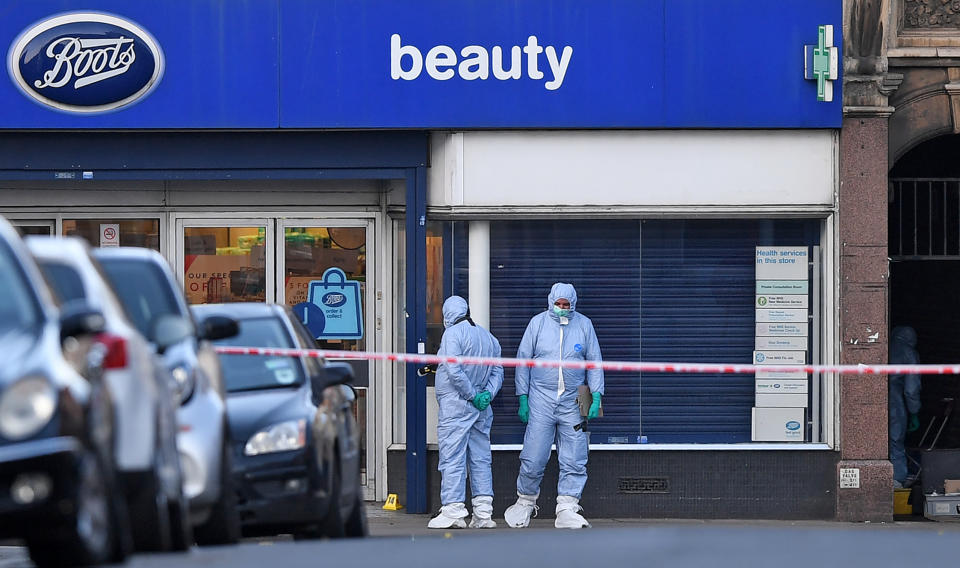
(297, 456)
(145, 443)
(56, 422)
(153, 299)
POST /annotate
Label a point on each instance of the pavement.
(400, 523)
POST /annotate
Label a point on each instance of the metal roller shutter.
(698, 306)
(685, 287)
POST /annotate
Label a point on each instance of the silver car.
(145, 444)
(146, 286)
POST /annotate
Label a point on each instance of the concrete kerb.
(400, 523)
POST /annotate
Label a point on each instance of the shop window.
(115, 232)
(224, 264)
(656, 290)
(31, 227)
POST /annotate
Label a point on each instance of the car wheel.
(181, 531)
(333, 526)
(151, 513)
(307, 532)
(223, 526)
(93, 535)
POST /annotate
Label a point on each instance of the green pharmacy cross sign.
(820, 63)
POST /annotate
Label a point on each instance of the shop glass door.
(226, 260)
(324, 277)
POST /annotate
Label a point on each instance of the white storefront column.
(479, 274)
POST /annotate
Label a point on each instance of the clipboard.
(585, 399)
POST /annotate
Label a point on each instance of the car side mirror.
(170, 329)
(78, 319)
(330, 375)
(218, 327)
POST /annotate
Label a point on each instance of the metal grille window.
(924, 218)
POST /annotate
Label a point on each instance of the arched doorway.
(924, 249)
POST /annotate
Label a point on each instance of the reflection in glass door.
(226, 261)
(325, 276)
(325, 282)
(32, 227)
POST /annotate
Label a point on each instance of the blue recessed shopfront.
(138, 90)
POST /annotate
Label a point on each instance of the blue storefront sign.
(554, 63)
(427, 64)
(218, 61)
(85, 62)
(333, 309)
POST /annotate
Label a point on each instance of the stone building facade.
(901, 65)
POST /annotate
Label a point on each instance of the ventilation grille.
(643, 485)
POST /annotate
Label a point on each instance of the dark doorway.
(924, 249)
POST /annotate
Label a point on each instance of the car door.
(343, 400)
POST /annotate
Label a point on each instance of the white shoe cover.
(568, 513)
(518, 515)
(482, 513)
(451, 517)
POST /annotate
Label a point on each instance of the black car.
(57, 476)
(297, 452)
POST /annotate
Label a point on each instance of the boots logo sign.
(85, 62)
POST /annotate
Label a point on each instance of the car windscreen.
(143, 290)
(252, 372)
(64, 279)
(18, 303)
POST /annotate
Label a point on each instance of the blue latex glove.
(524, 412)
(482, 400)
(594, 407)
(914, 423)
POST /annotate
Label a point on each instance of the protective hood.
(559, 290)
(454, 308)
(904, 334)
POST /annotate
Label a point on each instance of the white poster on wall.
(782, 305)
(782, 263)
(779, 357)
(782, 287)
(781, 329)
(784, 386)
(794, 301)
(109, 234)
(781, 315)
(782, 343)
(769, 373)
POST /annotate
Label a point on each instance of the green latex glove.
(914, 423)
(594, 407)
(481, 400)
(524, 412)
(487, 397)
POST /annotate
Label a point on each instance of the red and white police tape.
(722, 368)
